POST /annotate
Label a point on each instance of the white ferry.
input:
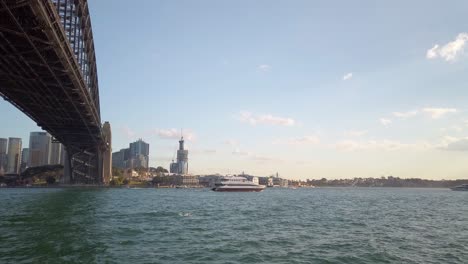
(463, 187)
(237, 184)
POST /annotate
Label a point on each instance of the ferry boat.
(237, 184)
(463, 187)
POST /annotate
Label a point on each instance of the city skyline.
(295, 88)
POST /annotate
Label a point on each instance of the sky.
(308, 89)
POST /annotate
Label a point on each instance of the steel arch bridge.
(48, 71)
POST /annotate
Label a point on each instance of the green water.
(322, 225)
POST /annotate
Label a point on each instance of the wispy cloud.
(268, 119)
(231, 142)
(385, 121)
(129, 134)
(355, 133)
(450, 51)
(203, 151)
(384, 145)
(239, 152)
(253, 156)
(454, 144)
(433, 112)
(173, 133)
(452, 128)
(347, 76)
(404, 115)
(264, 67)
(436, 113)
(306, 140)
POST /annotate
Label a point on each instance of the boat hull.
(459, 189)
(237, 189)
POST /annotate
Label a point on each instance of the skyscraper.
(3, 155)
(39, 149)
(139, 154)
(24, 159)
(182, 158)
(14, 155)
(56, 150)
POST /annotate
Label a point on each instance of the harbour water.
(321, 225)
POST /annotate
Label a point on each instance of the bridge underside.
(42, 75)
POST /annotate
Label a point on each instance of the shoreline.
(71, 186)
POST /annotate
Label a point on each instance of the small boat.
(237, 184)
(463, 187)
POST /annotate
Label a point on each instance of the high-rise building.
(39, 149)
(24, 159)
(120, 157)
(136, 156)
(182, 157)
(181, 166)
(3, 155)
(56, 154)
(139, 153)
(14, 155)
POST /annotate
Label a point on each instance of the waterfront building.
(117, 159)
(136, 156)
(14, 155)
(3, 155)
(182, 158)
(39, 149)
(181, 166)
(56, 155)
(176, 180)
(120, 158)
(173, 167)
(139, 153)
(24, 159)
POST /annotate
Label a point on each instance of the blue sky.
(309, 89)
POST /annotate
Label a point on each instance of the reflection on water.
(335, 225)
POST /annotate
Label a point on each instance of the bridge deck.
(41, 76)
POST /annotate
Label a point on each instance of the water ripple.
(329, 225)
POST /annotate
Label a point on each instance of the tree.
(160, 169)
(117, 171)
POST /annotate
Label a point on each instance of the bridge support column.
(67, 169)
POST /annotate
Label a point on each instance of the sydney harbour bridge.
(48, 71)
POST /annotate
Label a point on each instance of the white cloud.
(239, 152)
(450, 51)
(173, 133)
(454, 144)
(433, 112)
(264, 67)
(306, 140)
(347, 76)
(452, 128)
(436, 113)
(231, 142)
(355, 133)
(404, 115)
(347, 145)
(129, 134)
(382, 145)
(267, 119)
(260, 158)
(385, 121)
